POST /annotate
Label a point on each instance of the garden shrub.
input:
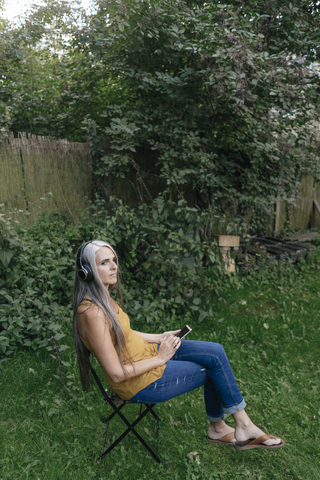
(170, 270)
(35, 281)
(167, 264)
(161, 257)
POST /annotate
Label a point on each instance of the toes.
(273, 441)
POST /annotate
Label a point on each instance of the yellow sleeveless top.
(138, 350)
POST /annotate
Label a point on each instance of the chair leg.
(107, 420)
(131, 428)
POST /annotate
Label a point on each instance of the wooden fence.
(31, 167)
(304, 214)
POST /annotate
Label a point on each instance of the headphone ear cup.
(83, 269)
(85, 273)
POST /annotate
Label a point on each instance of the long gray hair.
(95, 291)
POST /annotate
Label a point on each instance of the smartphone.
(184, 332)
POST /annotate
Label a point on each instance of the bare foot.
(217, 430)
(249, 430)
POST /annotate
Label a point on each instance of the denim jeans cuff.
(216, 419)
(234, 408)
(228, 411)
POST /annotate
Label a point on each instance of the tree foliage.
(220, 97)
(214, 91)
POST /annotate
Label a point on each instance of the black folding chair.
(117, 404)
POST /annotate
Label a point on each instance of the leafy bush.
(36, 277)
(161, 256)
(167, 264)
(206, 102)
(170, 269)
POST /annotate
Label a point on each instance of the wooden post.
(225, 242)
(315, 206)
(276, 224)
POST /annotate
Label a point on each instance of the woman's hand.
(168, 347)
(164, 335)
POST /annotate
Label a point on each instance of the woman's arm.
(149, 337)
(97, 332)
(156, 337)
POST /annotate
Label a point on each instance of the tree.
(211, 93)
(286, 26)
(34, 68)
(214, 94)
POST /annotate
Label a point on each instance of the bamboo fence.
(31, 167)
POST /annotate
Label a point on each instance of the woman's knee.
(218, 351)
(194, 351)
(218, 348)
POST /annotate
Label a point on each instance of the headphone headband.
(84, 270)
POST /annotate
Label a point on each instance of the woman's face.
(106, 262)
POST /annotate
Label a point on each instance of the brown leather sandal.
(257, 443)
(226, 440)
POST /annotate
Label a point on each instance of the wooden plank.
(302, 237)
(276, 225)
(316, 204)
(227, 240)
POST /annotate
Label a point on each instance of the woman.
(152, 368)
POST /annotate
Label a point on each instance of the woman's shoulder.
(85, 305)
(88, 311)
(89, 308)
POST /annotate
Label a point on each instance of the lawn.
(270, 329)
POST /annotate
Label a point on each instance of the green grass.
(272, 338)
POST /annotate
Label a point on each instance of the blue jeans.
(194, 364)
